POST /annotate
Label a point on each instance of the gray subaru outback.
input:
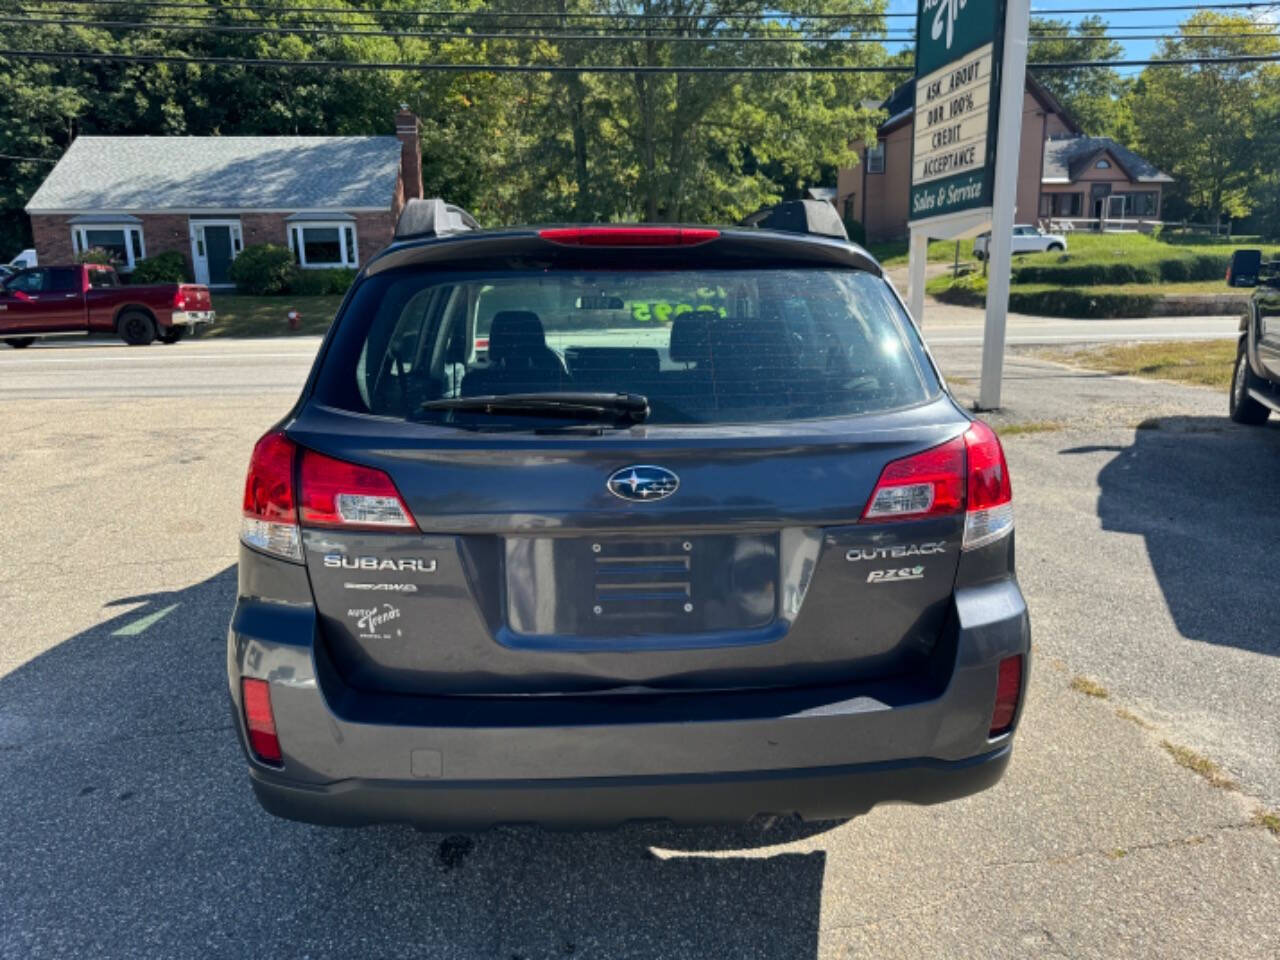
(582, 525)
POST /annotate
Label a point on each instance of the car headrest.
(515, 334)
(742, 345)
(691, 335)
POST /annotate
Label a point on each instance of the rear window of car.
(703, 346)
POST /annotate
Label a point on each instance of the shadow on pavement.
(127, 827)
(1203, 493)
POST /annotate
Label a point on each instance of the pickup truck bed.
(89, 298)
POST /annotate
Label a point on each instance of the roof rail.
(800, 216)
(432, 217)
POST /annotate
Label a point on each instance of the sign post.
(964, 151)
(1014, 70)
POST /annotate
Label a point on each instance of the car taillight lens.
(966, 473)
(270, 520)
(989, 501)
(1008, 689)
(335, 493)
(259, 721)
(179, 299)
(629, 236)
(925, 484)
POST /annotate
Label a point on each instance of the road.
(127, 827)
(270, 366)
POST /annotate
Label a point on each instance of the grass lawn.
(1092, 301)
(940, 251)
(1085, 247)
(241, 316)
(977, 284)
(1205, 362)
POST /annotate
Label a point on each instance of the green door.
(217, 244)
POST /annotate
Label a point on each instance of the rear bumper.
(823, 753)
(825, 793)
(192, 318)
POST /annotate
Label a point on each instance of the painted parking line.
(205, 358)
(143, 624)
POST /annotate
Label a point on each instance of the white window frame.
(875, 158)
(80, 240)
(200, 248)
(350, 252)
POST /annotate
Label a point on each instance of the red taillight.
(268, 490)
(335, 493)
(270, 521)
(989, 502)
(925, 484)
(179, 299)
(1008, 689)
(259, 720)
(629, 236)
(966, 473)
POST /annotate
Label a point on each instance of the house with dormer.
(1064, 175)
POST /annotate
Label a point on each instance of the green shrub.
(1082, 304)
(168, 267)
(319, 283)
(263, 269)
(1071, 302)
(98, 255)
(1204, 266)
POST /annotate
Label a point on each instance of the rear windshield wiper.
(627, 408)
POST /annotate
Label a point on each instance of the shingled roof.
(221, 173)
(1067, 158)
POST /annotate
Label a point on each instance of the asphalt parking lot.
(1146, 538)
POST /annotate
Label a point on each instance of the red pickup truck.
(89, 298)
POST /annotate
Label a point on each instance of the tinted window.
(102, 278)
(64, 280)
(29, 281)
(709, 346)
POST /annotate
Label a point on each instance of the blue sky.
(1136, 50)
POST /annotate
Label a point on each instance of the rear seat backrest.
(691, 336)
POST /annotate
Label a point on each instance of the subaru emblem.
(643, 482)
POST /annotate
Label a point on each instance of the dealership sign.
(958, 53)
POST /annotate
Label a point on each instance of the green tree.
(527, 146)
(715, 146)
(1094, 96)
(1212, 126)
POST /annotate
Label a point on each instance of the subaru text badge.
(643, 483)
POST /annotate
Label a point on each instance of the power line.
(1238, 35)
(1047, 31)
(14, 156)
(480, 20)
(258, 30)
(554, 15)
(446, 67)
(255, 30)
(504, 14)
(605, 68)
(1159, 62)
(476, 20)
(1257, 4)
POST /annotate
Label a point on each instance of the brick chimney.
(410, 152)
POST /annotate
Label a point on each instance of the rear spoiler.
(432, 217)
(816, 217)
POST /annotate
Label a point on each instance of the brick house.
(1062, 174)
(332, 200)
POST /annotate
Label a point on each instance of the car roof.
(525, 245)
